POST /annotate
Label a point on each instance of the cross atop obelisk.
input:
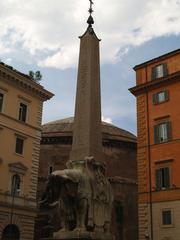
(90, 9)
(87, 136)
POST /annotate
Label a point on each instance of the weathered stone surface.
(83, 235)
(87, 133)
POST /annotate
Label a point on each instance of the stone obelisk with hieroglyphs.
(87, 136)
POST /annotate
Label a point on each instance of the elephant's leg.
(63, 216)
(82, 214)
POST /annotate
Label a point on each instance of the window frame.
(17, 168)
(154, 74)
(20, 138)
(158, 138)
(161, 179)
(172, 218)
(3, 92)
(156, 99)
(1, 102)
(20, 112)
(16, 192)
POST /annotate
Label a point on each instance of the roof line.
(162, 57)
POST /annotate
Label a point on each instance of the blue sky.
(43, 35)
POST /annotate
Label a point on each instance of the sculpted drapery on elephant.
(81, 197)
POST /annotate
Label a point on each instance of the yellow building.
(21, 101)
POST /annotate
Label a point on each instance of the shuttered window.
(162, 178)
(1, 101)
(161, 97)
(162, 132)
(159, 71)
(166, 217)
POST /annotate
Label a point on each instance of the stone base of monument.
(79, 234)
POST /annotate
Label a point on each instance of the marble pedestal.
(84, 235)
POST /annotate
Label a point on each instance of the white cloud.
(42, 26)
(8, 61)
(107, 119)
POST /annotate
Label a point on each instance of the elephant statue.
(81, 198)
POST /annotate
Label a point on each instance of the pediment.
(17, 167)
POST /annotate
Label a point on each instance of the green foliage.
(36, 76)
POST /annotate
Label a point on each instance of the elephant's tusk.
(54, 204)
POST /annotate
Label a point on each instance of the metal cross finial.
(90, 20)
(90, 9)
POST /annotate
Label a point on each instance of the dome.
(65, 126)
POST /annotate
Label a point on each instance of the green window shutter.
(156, 134)
(155, 98)
(153, 73)
(166, 95)
(165, 69)
(166, 177)
(169, 130)
(158, 179)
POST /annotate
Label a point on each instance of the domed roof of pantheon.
(65, 126)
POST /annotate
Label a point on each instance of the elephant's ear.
(73, 176)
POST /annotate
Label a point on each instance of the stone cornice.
(8, 74)
(17, 167)
(142, 88)
(22, 203)
(67, 140)
(20, 122)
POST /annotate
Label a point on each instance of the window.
(162, 132)
(50, 169)
(119, 212)
(22, 112)
(162, 178)
(161, 97)
(19, 145)
(1, 101)
(166, 217)
(159, 71)
(15, 186)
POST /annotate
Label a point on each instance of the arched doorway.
(11, 232)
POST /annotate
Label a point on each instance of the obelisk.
(80, 197)
(87, 135)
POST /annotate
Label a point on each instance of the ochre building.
(158, 117)
(119, 148)
(21, 101)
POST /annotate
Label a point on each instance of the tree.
(36, 76)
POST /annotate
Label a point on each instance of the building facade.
(21, 102)
(119, 148)
(158, 156)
